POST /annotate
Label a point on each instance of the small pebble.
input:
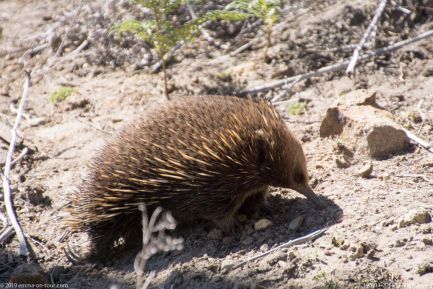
(365, 171)
(427, 242)
(264, 248)
(415, 216)
(262, 224)
(425, 268)
(342, 163)
(296, 223)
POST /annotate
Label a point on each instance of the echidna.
(198, 157)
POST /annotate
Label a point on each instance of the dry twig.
(371, 28)
(157, 66)
(6, 233)
(62, 43)
(310, 237)
(203, 31)
(154, 244)
(20, 156)
(335, 67)
(416, 176)
(4, 219)
(23, 250)
(422, 115)
(419, 141)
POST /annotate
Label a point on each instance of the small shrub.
(267, 11)
(61, 94)
(327, 284)
(163, 35)
(297, 108)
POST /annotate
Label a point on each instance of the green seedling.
(161, 33)
(327, 284)
(268, 11)
(61, 94)
(297, 108)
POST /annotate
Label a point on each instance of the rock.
(264, 248)
(36, 122)
(428, 242)
(365, 171)
(415, 216)
(342, 163)
(359, 253)
(262, 224)
(296, 223)
(361, 250)
(371, 255)
(215, 234)
(28, 274)
(400, 243)
(425, 268)
(359, 122)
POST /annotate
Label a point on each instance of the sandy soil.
(364, 247)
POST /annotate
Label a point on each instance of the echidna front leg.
(255, 202)
(226, 224)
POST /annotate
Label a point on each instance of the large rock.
(360, 123)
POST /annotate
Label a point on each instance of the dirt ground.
(365, 245)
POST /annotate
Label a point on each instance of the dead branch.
(416, 176)
(153, 244)
(23, 250)
(6, 233)
(419, 141)
(4, 219)
(20, 156)
(371, 27)
(285, 90)
(310, 237)
(234, 52)
(157, 66)
(337, 66)
(62, 43)
(203, 31)
(422, 115)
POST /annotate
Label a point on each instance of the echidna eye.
(299, 177)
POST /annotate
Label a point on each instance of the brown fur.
(200, 158)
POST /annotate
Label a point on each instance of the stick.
(157, 66)
(371, 27)
(418, 140)
(203, 31)
(286, 89)
(23, 250)
(335, 67)
(416, 176)
(4, 219)
(62, 44)
(20, 156)
(422, 115)
(5, 234)
(310, 237)
(234, 52)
